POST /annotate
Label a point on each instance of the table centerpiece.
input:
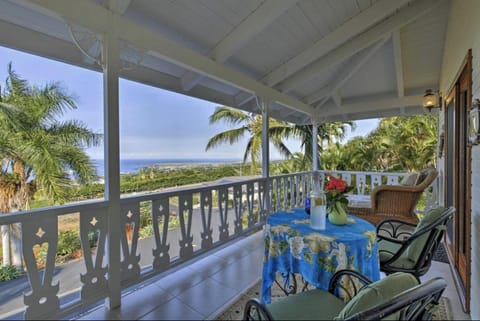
(337, 202)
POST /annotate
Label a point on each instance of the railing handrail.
(185, 190)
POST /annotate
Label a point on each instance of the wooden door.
(458, 178)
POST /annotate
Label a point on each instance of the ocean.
(128, 166)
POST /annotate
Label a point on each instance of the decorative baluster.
(42, 300)
(250, 201)
(298, 191)
(206, 210)
(431, 195)
(309, 184)
(392, 180)
(285, 192)
(237, 205)
(262, 207)
(278, 191)
(293, 191)
(161, 215)
(223, 212)
(291, 184)
(361, 183)
(322, 180)
(93, 227)
(130, 221)
(303, 193)
(376, 180)
(347, 177)
(300, 180)
(185, 215)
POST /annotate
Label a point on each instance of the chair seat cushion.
(308, 305)
(387, 249)
(415, 249)
(377, 293)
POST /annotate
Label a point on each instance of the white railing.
(184, 223)
(365, 182)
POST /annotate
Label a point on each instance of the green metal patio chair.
(351, 296)
(407, 247)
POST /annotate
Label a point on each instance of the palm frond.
(75, 132)
(230, 136)
(228, 115)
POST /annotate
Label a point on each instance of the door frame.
(454, 258)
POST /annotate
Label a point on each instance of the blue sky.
(154, 123)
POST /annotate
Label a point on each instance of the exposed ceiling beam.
(93, 16)
(119, 6)
(369, 104)
(154, 78)
(260, 19)
(346, 72)
(25, 39)
(346, 31)
(242, 98)
(403, 17)
(397, 56)
(337, 99)
(251, 26)
(395, 111)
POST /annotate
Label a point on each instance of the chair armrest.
(347, 282)
(254, 310)
(395, 228)
(396, 188)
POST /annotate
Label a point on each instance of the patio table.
(293, 247)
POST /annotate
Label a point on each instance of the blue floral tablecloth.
(291, 246)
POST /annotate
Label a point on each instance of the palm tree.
(398, 144)
(252, 124)
(249, 124)
(326, 133)
(37, 150)
(411, 143)
(296, 163)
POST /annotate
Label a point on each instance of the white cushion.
(409, 180)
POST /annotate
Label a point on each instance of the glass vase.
(337, 213)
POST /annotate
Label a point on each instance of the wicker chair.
(396, 201)
(351, 296)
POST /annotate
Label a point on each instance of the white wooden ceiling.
(327, 60)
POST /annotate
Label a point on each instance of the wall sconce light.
(431, 100)
(474, 123)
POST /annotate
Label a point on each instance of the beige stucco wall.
(463, 33)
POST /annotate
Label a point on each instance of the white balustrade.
(184, 223)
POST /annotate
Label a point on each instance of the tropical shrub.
(8, 273)
(68, 243)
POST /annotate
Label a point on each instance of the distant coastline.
(131, 165)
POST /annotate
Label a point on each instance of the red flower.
(336, 189)
(335, 184)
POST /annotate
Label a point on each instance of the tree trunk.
(16, 238)
(6, 245)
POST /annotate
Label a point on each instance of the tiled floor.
(203, 289)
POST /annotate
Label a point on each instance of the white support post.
(315, 125)
(112, 161)
(265, 106)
